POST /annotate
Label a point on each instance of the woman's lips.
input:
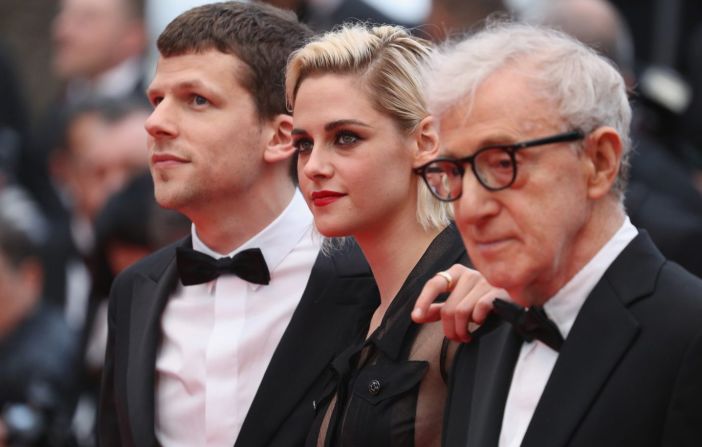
(324, 198)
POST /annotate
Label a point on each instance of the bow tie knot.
(530, 324)
(195, 267)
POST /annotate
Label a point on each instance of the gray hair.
(587, 89)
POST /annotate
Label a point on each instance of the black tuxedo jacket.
(629, 373)
(335, 307)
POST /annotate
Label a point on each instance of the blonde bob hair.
(389, 62)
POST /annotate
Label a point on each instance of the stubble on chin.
(172, 196)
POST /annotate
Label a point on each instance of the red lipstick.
(324, 198)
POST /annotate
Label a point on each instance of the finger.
(465, 309)
(434, 313)
(460, 321)
(456, 315)
(461, 301)
(484, 305)
(432, 289)
(447, 322)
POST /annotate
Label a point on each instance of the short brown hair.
(260, 35)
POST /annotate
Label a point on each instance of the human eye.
(497, 159)
(199, 100)
(303, 145)
(346, 138)
(155, 100)
(495, 166)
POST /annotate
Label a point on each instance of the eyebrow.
(185, 85)
(196, 83)
(447, 152)
(333, 125)
(339, 123)
(498, 139)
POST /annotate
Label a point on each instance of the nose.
(315, 164)
(162, 121)
(476, 203)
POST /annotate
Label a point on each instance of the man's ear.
(427, 141)
(603, 147)
(279, 145)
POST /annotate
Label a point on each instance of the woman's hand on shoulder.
(467, 306)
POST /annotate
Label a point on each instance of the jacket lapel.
(603, 332)
(497, 355)
(337, 298)
(150, 295)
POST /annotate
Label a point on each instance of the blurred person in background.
(98, 54)
(14, 136)
(99, 47)
(448, 18)
(38, 350)
(322, 15)
(13, 113)
(103, 144)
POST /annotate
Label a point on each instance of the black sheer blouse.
(390, 389)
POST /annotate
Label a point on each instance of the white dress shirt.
(536, 360)
(219, 337)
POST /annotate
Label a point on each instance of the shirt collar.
(392, 335)
(277, 240)
(564, 306)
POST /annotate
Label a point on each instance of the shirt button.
(374, 387)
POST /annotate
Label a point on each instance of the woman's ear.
(279, 146)
(603, 148)
(427, 139)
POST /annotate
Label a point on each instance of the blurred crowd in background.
(76, 199)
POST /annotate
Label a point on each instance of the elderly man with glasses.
(600, 342)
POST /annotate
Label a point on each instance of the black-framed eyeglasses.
(494, 166)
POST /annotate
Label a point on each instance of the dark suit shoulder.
(662, 296)
(154, 264)
(685, 285)
(677, 300)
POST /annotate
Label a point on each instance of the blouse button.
(374, 387)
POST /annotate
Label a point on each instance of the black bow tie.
(197, 268)
(530, 324)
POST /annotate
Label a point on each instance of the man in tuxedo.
(222, 338)
(535, 129)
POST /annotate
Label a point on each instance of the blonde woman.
(360, 127)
